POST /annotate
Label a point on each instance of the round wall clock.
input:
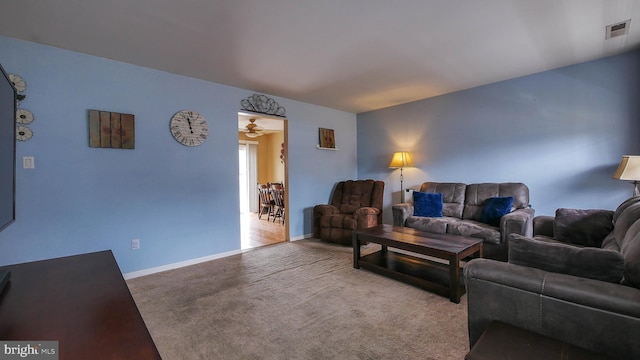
(189, 128)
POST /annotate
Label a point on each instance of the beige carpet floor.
(296, 300)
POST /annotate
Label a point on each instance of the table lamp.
(401, 159)
(629, 169)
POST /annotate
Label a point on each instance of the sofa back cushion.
(477, 194)
(350, 195)
(452, 196)
(584, 227)
(630, 250)
(625, 215)
(626, 232)
(623, 206)
(593, 263)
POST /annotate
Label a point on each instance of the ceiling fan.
(252, 129)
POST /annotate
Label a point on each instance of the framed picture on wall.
(327, 138)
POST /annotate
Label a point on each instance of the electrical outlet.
(28, 162)
(135, 244)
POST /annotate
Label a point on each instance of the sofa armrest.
(543, 225)
(321, 210)
(519, 222)
(565, 307)
(401, 212)
(318, 212)
(366, 217)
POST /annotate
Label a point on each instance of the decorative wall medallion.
(262, 104)
(189, 128)
(111, 130)
(20, 86)
(24, 116)
(23, 133)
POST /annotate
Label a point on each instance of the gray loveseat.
(585, 293)
(461, 213)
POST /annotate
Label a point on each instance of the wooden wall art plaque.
(111, 130)
(327, 139)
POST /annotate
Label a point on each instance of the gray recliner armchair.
(577, 280)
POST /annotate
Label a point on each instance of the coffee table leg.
(356, 250)
(454, 279)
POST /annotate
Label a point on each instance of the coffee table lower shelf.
(411, 270)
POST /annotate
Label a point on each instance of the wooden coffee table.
(434, 276)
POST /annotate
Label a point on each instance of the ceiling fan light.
(252, 135)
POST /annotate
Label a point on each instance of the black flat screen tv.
(7, 151)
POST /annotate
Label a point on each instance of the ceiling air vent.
(621, 28)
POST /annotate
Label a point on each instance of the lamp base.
(401, 189)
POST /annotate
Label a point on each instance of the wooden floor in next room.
(260, 232)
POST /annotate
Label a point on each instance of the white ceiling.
(266, 124)
(353, 55)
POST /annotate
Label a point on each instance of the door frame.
(285, 140)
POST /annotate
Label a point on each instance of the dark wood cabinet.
(80, 301)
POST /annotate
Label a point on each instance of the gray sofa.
(583, 290)
(461, 213)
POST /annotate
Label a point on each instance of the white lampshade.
(629, 169)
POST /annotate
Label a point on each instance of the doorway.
(262, 159)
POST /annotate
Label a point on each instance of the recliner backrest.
(350, 195)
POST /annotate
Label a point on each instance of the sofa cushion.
(430, 224)
(610, 243)
(348, 209)
(625, 216)
(427, 204)
(630, 250)
(477, 194)
(470, 228)
(623, 206)
(582, 227)
(452, 196)
(495, 208)
(338, 221)
(587, 262)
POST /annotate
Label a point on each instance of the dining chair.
(278, 199)
(266, 202)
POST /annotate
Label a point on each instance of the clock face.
(189, 128)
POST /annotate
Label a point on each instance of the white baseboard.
(181, 264)
(305, 236)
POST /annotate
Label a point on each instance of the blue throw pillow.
(427, 204)
(494, 208)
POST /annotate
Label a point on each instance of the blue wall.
(561, 132)
(181, 202)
